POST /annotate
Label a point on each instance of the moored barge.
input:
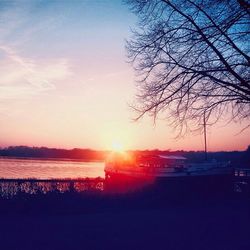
(174, 174)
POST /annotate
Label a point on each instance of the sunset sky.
(65, 81)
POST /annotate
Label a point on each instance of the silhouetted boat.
(125, 172)
(163, 166)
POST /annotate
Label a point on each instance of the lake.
(19, 168)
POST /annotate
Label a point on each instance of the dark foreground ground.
(66, 222)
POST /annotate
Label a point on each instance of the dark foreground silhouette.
(142, 220)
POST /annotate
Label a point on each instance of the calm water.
(49, 169)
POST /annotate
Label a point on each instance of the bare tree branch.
(191, 57)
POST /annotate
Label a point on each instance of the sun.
(117, 146)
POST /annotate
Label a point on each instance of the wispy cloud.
(23, 72)
(22, 76)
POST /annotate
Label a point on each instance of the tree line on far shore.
(237, 158)
(44, 152)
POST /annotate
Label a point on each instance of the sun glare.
(117, 146)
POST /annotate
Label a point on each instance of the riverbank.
(124, 222)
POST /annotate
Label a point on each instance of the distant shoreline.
(49, 159)
(25, 152)
(237, 158)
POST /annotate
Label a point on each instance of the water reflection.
(11, 168)
(10, 188)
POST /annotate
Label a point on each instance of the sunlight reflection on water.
(11, 168)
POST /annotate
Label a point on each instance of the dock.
(242, 180)
(11, 187)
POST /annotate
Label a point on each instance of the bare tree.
(191, 57)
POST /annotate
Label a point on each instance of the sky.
(66, 83)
